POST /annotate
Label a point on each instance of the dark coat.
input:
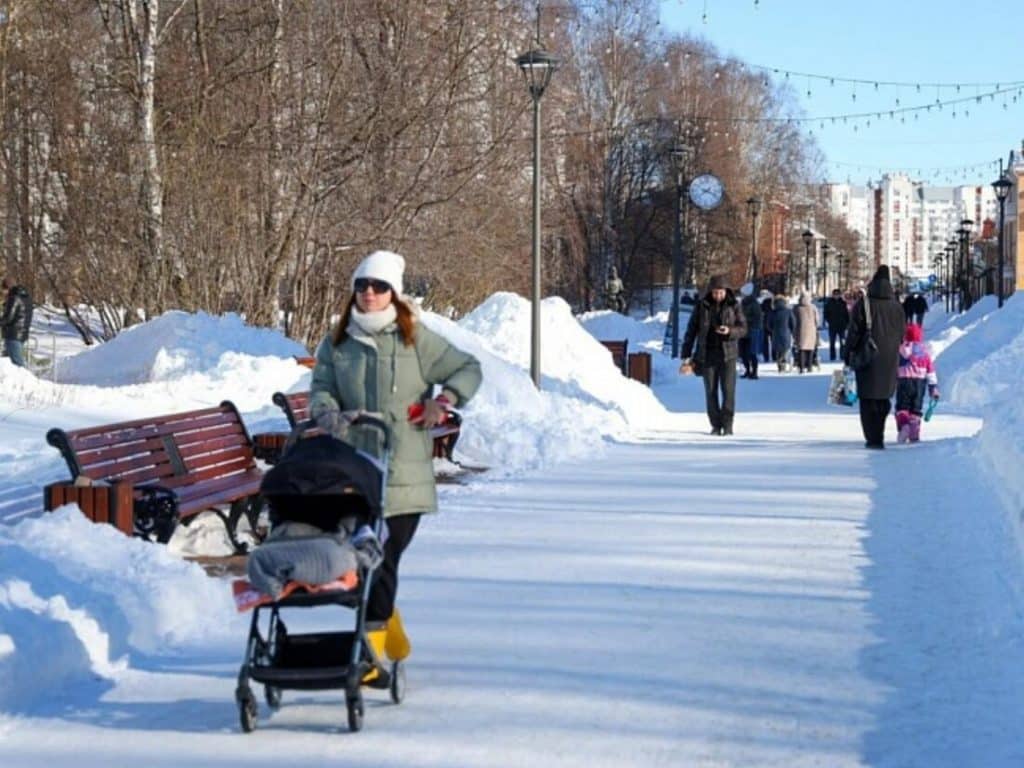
(752, 313)
(837, 315)
(783, 325)
(878, 380)
(17, 317)
(700, 325)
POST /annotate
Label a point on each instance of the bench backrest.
(171, 450)
(618, 350)
(295, 406)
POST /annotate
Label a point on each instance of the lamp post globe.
(1002, 187)
(537, 66)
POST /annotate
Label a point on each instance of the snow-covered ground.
(620, 588)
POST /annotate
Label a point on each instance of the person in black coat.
(877, 382)
(715, 327)
(837, 317)
(750, 345)
(766, 319)
(15, 321)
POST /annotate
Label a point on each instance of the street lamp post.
(754, 209)
(951, 273)
(825, 248)
(1002, 187)
(537, 66)
(680, 156)
(965, 264)
(808, 238)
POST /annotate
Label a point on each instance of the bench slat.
(115, 435)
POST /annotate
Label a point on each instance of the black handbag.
(864, 354)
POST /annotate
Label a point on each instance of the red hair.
(405, 320)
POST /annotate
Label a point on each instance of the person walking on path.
(715, 327)
(806, 331)
(783, 328)
(837, 318)
(750, 345)
(918, 308)
(916, 375)
(876, 382)
(380, 358)
(15, 321)
(765, 297)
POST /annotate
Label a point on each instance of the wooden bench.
(619, 354)
(178, 465)
(296, 410)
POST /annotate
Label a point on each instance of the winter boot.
(397, 644)
(903, 425)
(377, 639)
(914, 428)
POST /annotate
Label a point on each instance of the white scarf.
(373, 322)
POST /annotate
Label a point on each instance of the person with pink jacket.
(916, 377)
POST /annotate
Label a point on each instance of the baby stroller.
(327, 483)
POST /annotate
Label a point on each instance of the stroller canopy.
(322, 469)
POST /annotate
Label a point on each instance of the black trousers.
(833, 335)
(804, 359)
(720, 375)
(401, 529)
(872, 419)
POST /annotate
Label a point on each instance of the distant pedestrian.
(837, 318)
(715, 327)
(766, 299)
(806, 331)
(750, 345)
(877, 381)
(783, 328)
(916, 375)
(919, 306)
(613, 288)
(15, 321)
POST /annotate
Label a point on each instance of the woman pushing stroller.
(380, 358)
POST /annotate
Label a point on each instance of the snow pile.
(948, 329)
(172, 346)
(981, 371)
(985, 361)
(509, 424)
(84, 598)
(646, 335)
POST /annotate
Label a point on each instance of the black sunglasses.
(362, 284)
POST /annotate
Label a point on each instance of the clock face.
(706, 191)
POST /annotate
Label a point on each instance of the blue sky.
(891, 40)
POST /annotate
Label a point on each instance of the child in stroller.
(325, 499)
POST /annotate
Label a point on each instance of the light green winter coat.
(377, 372)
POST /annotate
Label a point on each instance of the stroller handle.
(362, 419)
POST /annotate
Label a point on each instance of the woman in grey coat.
(806, 331)
(380, 359)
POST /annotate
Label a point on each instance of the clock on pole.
(706, 191)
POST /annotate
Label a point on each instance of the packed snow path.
(780, 598)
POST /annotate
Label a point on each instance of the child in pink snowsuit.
(916, 375)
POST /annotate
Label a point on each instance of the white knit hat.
(382, 265)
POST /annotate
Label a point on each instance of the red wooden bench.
(178, 465)
(296, 410)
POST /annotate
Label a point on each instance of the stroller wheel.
(273, 696)
(355, 712)
(397, 682)
(247, 713)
